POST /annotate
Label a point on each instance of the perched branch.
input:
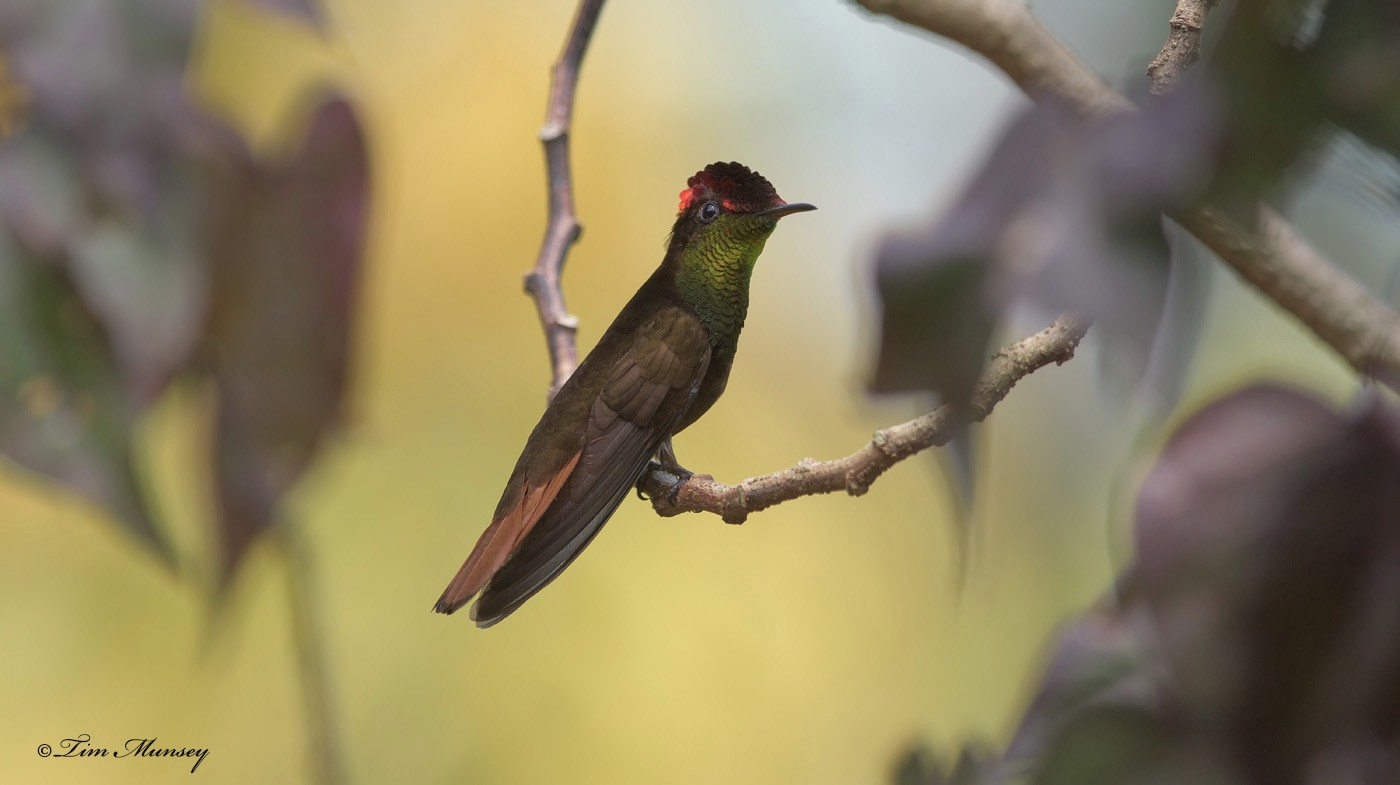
(1270, 255)
(563, 229)
(1183, 46)
(856, 472)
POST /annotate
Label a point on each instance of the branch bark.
(1007, 33)
(856, 472)
(1183, 46)
(1270, 255)
(563, 229)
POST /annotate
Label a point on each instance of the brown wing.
(646, 394)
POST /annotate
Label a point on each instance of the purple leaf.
(287, 256)
(1268, 544)
(1065, 214)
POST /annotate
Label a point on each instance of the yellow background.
(810, 645)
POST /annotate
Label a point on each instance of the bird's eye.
(709, 212)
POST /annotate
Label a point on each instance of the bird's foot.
(678, 476)
(682, 476)
(666, 455)
(666, 462)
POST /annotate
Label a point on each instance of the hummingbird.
(662, 363)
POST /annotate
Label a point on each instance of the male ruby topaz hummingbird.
(661, 364)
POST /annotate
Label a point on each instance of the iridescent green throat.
(714, 273)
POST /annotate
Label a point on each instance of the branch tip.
(562, 229)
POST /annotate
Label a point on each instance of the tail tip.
(446, 607)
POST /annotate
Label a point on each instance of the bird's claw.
(681, 474)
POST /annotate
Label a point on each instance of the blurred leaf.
(1364, 175)
(287, 258)
(90, 67)
(150, 207)
(1089, 236)
(934, 337)
(1066, 213)
(102, 194)
(1103, 660)
(63, 409)
(1358, 53)
(1255, 639)
(113, 170)
(308, 11)
(1105, 745)
(957, 463)
(922, 766)
(41, 195)
(136, 265)
(935, 322)
(917, 767)
(1241, 442)
(936, 318)
(72, 396)
(1292, 71)
(1269, 554)
(1271, 102)
(1182, 324)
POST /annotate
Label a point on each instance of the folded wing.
(644, 397)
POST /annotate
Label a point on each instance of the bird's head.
(727, 213)
(730, 200)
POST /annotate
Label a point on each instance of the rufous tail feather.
(500, 540)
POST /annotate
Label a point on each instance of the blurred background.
(810, 645)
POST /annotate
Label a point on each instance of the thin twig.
(1183, 46)
(855, 473)
(1270, 254)
(563, 229)
(1006, 32)
(312, 661)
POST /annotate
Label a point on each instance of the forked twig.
(1183, 46)
(563, 229)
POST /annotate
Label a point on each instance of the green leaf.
(64, 411)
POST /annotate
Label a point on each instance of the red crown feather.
(737, 187)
